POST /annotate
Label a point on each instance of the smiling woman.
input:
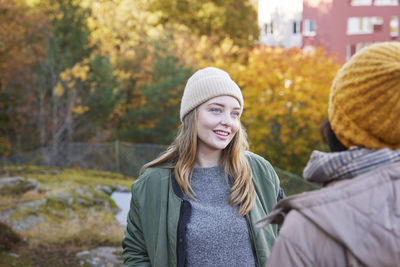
(196, 204)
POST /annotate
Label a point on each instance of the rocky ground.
(68, 213)
(66, 217)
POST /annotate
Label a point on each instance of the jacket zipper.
(252, 240)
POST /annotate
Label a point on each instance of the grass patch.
(43, 255)
(96, 229)
(55, 176)
(11, 201)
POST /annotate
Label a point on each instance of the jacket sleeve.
(134, 248)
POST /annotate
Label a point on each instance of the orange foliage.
(202, 51)
(21, 40)
(286, 99)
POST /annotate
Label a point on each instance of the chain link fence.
(121, 157)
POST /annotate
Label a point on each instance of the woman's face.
(218, 120)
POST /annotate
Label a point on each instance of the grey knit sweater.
(215, 235)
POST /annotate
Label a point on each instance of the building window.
(377, 20)
(394, 26)
(386, 2)
(363, 25)
(269, 28)
(350, 51)
(309, 27)
(360, 46)
(296, 27)
(375, 2)
(360, 2)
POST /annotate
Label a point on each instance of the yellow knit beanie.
(205, 84)
(364, 105)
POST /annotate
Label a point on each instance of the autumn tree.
(202, 51)
(125, 32)
(77, 86)
(286, 94)
(67, 45)
(92, 90)
(236, 19)
(22, 44)
(157, 119)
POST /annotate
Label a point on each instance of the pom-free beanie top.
(364, 105)
(205, 84)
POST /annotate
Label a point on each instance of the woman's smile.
(222, 134)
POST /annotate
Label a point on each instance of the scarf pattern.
(325, 167)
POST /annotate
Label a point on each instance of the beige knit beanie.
(205, 84)
(364, 105)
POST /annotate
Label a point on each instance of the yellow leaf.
(71, 84)
(65, 75)
(79, 110)
(59, 89)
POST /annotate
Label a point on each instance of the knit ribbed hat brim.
(205, 84)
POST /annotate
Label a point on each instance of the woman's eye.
(216, 110)
(236, 114)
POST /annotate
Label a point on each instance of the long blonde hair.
(181, 155)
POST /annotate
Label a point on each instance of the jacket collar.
(327, 167)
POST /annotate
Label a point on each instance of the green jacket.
(152, 229)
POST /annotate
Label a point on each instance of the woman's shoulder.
(256, 160)
(153, 175)
(262, 169)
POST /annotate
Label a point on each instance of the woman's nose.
(226, 120)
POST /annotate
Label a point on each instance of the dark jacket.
(156, 219)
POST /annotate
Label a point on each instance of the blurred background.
(90, 91)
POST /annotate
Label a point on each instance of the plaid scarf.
(325, 167)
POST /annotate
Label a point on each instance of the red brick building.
(345, 26)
